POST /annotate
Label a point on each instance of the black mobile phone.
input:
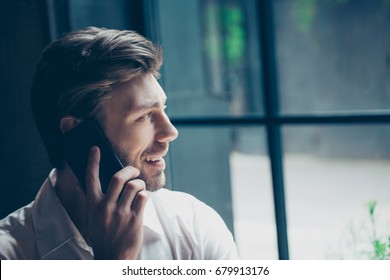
(77, 143)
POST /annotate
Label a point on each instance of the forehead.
(136, 94)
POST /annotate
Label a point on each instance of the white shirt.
(176, 226)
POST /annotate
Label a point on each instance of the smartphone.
(77, 143)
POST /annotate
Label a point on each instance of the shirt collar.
(53, 226)
(152, 224)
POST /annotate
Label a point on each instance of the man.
(109, 76)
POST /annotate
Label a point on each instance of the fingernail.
(93, 149)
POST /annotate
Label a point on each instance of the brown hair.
(77, 72)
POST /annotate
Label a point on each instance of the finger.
(130, 191)
(118, 181)
(139, 202)
(92, 182)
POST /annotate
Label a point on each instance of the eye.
(146, 116)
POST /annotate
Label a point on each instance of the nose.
(166, 131)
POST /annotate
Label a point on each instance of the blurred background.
(283, 109)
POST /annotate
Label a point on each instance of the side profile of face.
(138, 128)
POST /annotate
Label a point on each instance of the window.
(283, 109)
(298, 101)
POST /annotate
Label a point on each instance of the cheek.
(138, 139)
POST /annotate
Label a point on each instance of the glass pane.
(228, 169)
(332, 174)
(333, 55)
(100, 13)
(211, 51)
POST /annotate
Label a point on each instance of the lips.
(155, 162)
(155, 155)
(153, 159)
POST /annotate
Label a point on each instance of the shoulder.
(16, 221)
(16, 234)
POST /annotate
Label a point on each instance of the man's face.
(138, 128)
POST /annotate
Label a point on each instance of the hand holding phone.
(114, 232)
(77, 143)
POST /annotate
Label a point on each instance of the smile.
(153, 159)
(156, 162)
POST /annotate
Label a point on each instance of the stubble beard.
(153, 183)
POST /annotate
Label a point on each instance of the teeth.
(153, 159)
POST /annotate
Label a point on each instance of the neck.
(72, 198)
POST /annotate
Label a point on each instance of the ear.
(68, 122)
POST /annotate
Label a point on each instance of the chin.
(154, 183)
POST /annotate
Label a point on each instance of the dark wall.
(23, 161)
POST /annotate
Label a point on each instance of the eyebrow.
(147, 106)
